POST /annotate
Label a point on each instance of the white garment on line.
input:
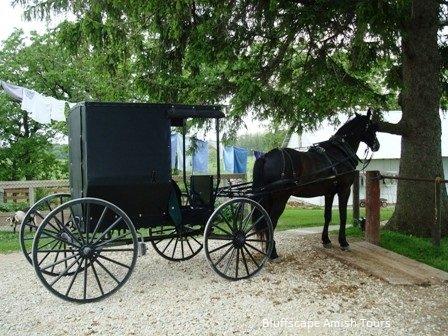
(16, 92)
(41, 108)
(57, 109)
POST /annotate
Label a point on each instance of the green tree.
(27, 148)
(296, 62)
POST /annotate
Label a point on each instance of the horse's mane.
(348, 126)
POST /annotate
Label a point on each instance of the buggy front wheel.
(91, 247)
(238, 239)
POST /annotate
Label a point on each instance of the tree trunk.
(421, 125)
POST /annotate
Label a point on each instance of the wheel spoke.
(100, 220)
(106, 242)
(246, 220)
(182, 248)
(256, 232)
(237, 262)
(48, 253)
(227, 222)
(174, 249)
(220, 247)
(114, 261)
(58, 239)
(64, 272)
(229, 260)
(116, 250)
(119, 219)
(74, 276)
(224, 255)
(56, 257)
(253, 225)
(167, 245)
(245, 262)
(58, 262)
(256, 249)
(75, 222)
(197, 241)
(189, 245)
(97, 279)
(251, 256)
(85, 279)
(225, 231)
(107, 271)
(257, 240)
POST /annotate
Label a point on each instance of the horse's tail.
(258, 181)
(258, 174)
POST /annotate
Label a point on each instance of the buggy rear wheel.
(90, 245)
(238, 239)
(174, 245)
(34, 217)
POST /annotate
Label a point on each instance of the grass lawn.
(9, 242)
(416, 248)
(294, 218)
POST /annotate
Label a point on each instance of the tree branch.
(387, 127)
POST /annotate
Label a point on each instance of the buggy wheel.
(90, 244)
(174, 245)
(238, 239)
(34, 217)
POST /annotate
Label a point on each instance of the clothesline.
(41, 108)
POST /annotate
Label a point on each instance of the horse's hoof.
(345, 248)
(275, 260)
(328, 245)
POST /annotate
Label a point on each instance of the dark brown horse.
(326, 169)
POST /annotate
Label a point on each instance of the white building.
(386, 160)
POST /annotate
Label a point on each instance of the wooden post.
(372, 230)
(436, 232)
(31, 196)
(356, 199)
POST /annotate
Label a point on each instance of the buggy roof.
(177, 113)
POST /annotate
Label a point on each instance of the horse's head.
(363, 128)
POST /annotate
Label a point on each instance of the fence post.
(356, 199)
(31, 196)
(436, 232)
(372, 228)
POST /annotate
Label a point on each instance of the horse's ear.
(369, 112)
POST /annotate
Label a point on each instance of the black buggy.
(85, 244)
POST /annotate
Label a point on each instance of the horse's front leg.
(327, 215)
(343, 196)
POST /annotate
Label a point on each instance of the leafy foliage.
(295, 62)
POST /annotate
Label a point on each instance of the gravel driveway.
(304, 293)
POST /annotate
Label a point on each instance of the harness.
(350, 157)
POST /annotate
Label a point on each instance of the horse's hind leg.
(343, 196)
(327, 215)
(277, 208)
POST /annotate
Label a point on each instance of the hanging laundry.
(258, 154)
(228, 156)
(57, 109)
(174, 139)
(240, 166)
(200, 156)
(235, 159)
(41, 108)
(16, 92)
(177, 157)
